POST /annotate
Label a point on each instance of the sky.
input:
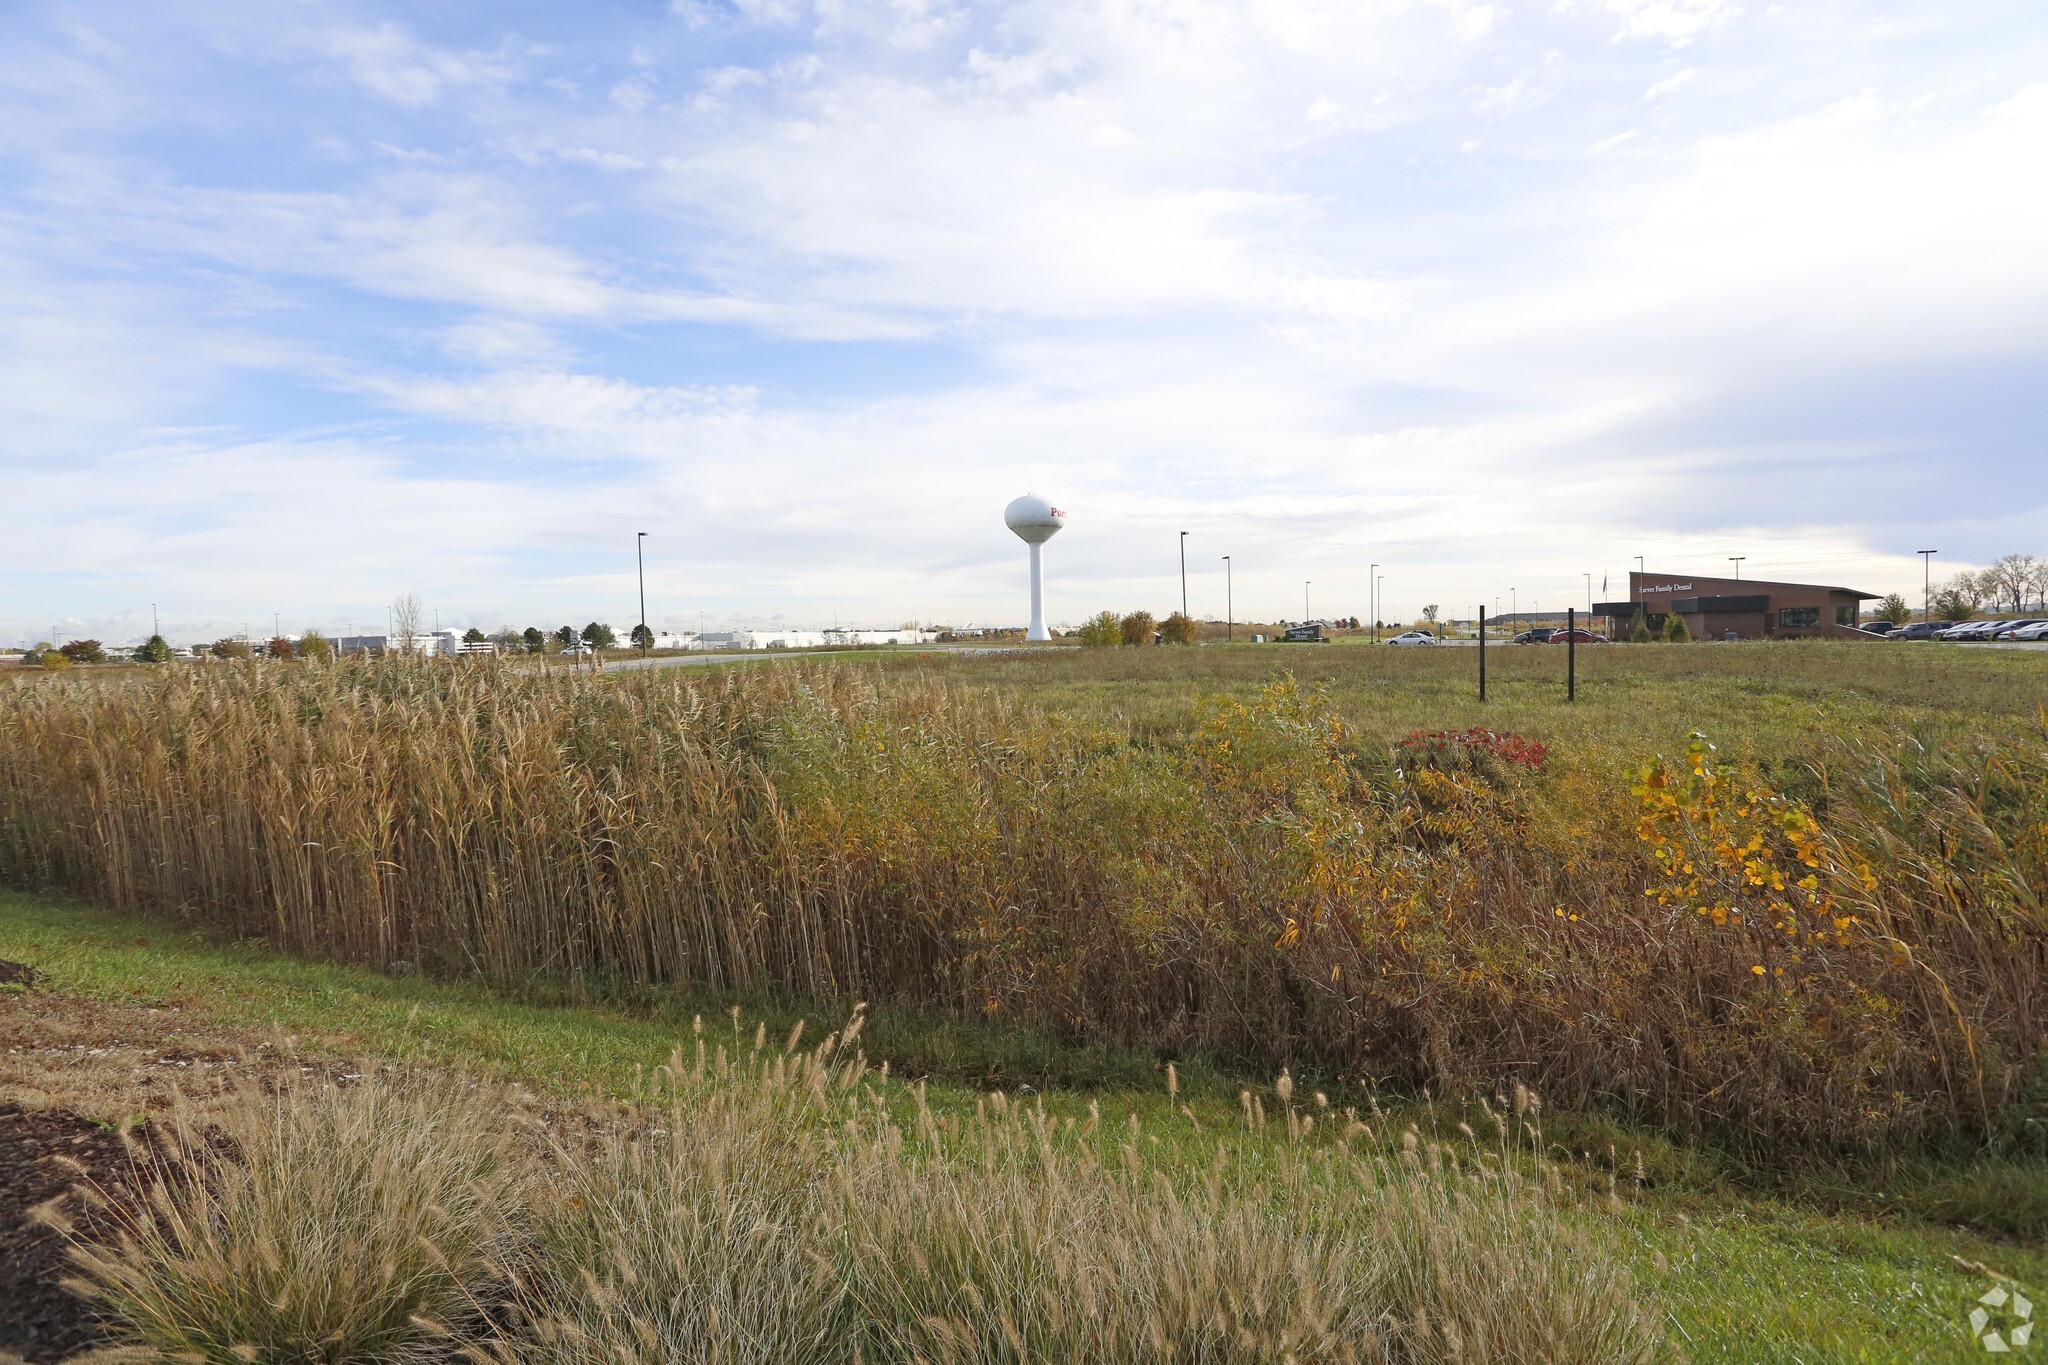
(304, 306)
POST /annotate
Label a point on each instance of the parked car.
(2037, 631)
(1414, 637)
(1972, 630)
(1880, 627)
(570, 651)
(1534, 635)
(2008, 629)
(1584, 637)
(1921, 630)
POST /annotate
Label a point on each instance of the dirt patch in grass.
(73, 1073)
(18, 974)
(43, 1157)
(112, 1061)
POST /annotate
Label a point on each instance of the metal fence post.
(1571, 653)
(1482, 651)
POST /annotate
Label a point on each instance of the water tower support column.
(1037, 630)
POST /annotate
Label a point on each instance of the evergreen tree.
(1675, 630)
(1639, 633)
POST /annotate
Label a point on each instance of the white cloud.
(783, 12)
(1676, 22)
(1671, 84)
(633, 94)
(387, 60)
(1507, 96)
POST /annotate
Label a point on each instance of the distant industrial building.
(1739, 608)
(448, 642)
(906, 635)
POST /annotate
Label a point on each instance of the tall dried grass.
(1265, 882)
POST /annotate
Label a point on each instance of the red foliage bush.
(1477, 749)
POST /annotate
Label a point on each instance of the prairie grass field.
(1757, 930)
(1818, 922)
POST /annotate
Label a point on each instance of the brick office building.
(1750, 609)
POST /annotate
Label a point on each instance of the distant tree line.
(2011, 583)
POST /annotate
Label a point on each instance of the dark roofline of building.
(1766, 583)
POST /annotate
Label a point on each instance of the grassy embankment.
(1735, 1276)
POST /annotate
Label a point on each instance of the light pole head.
(1033, 519)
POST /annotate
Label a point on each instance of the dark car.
(1880, 627)
(1583, 637)
(1920, 630)
(1535, 635)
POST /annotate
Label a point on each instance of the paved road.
(2035, 645)
(690, 660)
(684, 661)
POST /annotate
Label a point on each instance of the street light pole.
(1372, 600)
(1514, 607)
(1229, 604)
(1304, 602)
(1184, 575)
(1926, 583)
(640, 559)
(1736, 560)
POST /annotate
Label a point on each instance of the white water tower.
(1035, 521)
